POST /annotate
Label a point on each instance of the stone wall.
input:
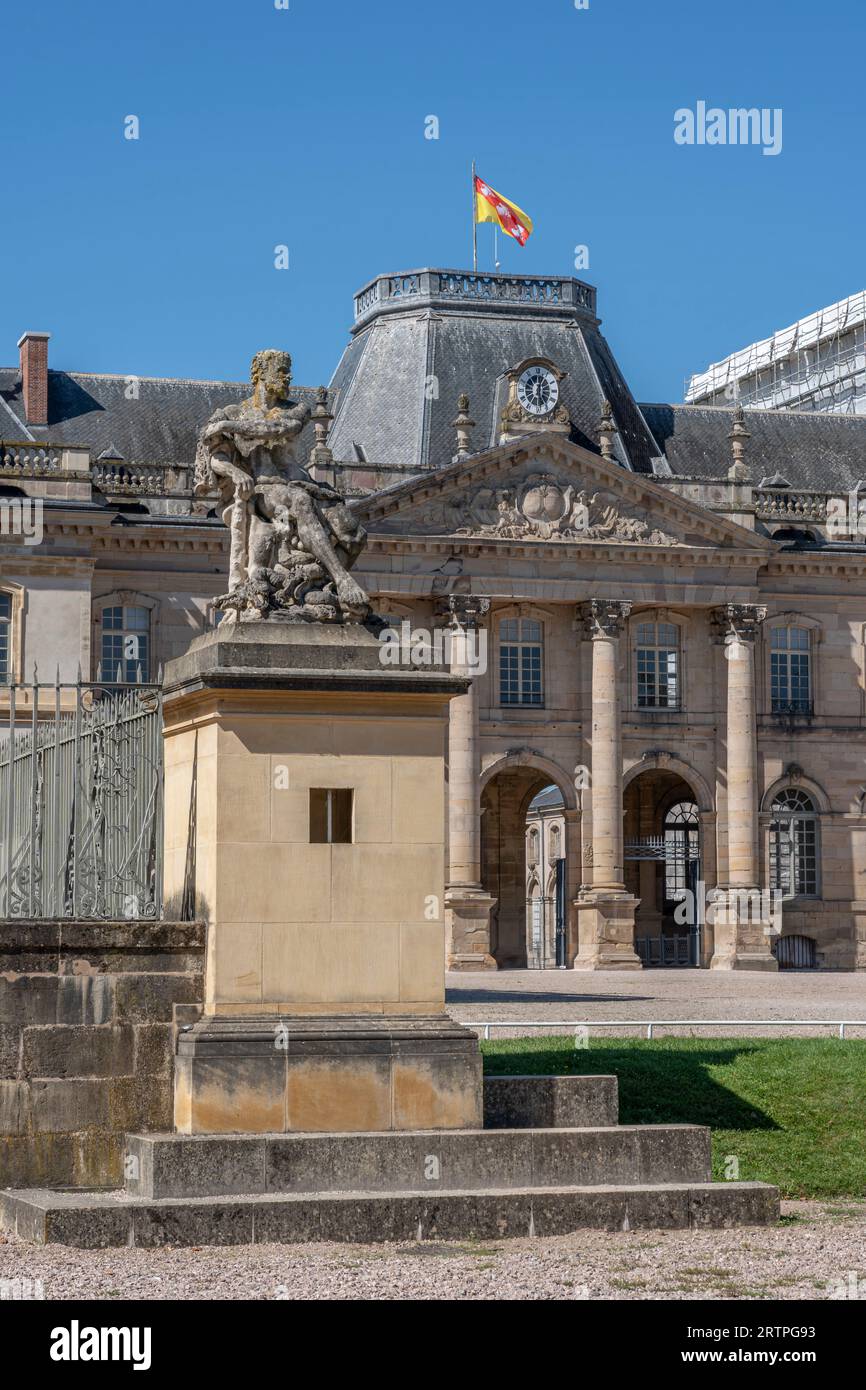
(87, 1018)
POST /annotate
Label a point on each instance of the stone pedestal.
(606, 931)
(469, 911)
(742, 930)
(324, 997)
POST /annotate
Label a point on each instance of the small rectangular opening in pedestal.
(331, 815)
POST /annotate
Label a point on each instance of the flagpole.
(474, 226)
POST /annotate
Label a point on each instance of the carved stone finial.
(320, 454)
(738, 436)
(607, 431)
(464, 425)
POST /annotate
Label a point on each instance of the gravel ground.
(816, 1245)
(584, 995)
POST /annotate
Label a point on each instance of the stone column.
(468, 906)
(606, 920)
(741, 914)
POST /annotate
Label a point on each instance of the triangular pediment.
(548, 490)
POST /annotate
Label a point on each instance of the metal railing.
(80, 800)
(650, 1025)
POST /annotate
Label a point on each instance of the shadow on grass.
(456, 994)
(670, 1086)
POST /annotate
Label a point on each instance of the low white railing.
(577, 1025)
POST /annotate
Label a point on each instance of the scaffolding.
(818, 364)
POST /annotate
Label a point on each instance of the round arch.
(669, 762)
(802, 783)
(544, 766)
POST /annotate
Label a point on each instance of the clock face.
(538, 390)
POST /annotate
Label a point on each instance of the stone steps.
(181, 1166)
(99, 1220)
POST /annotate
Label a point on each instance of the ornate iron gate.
(81, 801)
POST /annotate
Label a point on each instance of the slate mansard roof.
(158, 426)
(809, 450)
(419, 339)
(424, 336)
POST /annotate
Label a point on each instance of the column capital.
(464, 611)
(737, 621)
(602, 618)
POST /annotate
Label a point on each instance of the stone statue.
(293, 541)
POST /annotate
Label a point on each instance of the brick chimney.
(34, 376)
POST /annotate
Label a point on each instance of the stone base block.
(311, 1074)
(185, 1165)
(606, 932)
(742, 929)
(469, 915)
(100, 1220)
(742, 960)
(550, 1102)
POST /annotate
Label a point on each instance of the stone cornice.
(618, 552)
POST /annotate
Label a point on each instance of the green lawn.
(793, 1111)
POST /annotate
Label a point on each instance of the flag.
(490, 206)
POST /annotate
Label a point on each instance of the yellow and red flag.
(490, 206)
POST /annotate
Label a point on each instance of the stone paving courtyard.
(649, 995)
(817, 1251)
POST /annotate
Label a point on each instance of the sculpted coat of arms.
(542, 507)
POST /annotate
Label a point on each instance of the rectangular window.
(790, 677)
(521, 651)
(5, 638)
(331, 815)
(658, 666)
(794, 858)
(125, 646)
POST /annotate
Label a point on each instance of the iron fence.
(81, 800)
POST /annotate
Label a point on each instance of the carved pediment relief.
(545, 506)
(549, 490)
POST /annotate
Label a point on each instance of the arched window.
(521, 649)
(794, 844)
(533, 845)
(536, 918)
(124, 651)
(682, 839)
(5, 638)
(658, 666)
(790, 674)
(12, 598)
(555, 842)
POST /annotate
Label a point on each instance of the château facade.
(673, 670)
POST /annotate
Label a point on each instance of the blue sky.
(305, 127)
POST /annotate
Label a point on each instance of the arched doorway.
(526, 838)
(545, 880)
(663, 868)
